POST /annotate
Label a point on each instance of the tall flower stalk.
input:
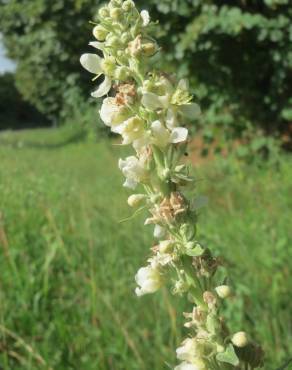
(151, 112)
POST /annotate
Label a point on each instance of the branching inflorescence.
(150, 111)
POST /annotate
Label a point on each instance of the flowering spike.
(150, 110)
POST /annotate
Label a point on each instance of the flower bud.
(240, 339)
(122, 73)
(128, 5)
(99, 32)
(115, 13)
(103, 12)
(113, 41)
(135, 199)
(149, 49)
(219, 348)
(109, 65)
(115, 3)
(223, 291)
(125, 38)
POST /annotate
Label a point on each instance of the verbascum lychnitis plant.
(151, 111)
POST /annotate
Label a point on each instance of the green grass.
(67, 265)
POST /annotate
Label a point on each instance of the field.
(67, 264)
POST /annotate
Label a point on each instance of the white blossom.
(94, 64)
(132, 131)
(113, 114)
(174, 101)
(134, 171)
(148, 279)
(162, 136)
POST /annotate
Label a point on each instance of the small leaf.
(196, 251)
(228, 356)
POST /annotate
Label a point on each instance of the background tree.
(239, 56)
(45, 39)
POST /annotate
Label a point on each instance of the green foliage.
(14, 111)
(239, 55)
(67, 265)
(46, 39)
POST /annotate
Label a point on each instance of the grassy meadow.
(67, 264)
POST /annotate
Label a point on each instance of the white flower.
(145, 17)
(132, 129)
(188, 366)
(148, 279)
(94, 64)
(162, 136)
(134, 171)
(134, 200)
(189, 350)
(174, 101)
(160, 259)
(113, 114)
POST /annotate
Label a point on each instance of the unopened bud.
(149, 49)
(128, 5)
(99, 32)
(125, 38)
(115, 3)
(113, 41)
(103, 12)
(240, 339)
(220, 348)
(223, 291)
(115, 13)
(122, 73)
(135, 199)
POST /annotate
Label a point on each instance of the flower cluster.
(151, 111)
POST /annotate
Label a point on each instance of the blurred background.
(67, 265)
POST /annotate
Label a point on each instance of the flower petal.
(191, 111)
(97, 45)
(183, 84)
(92, 63)
(130, 183)
(178, 135)
(151, 101)
(171, 118)
(103, 88)
(160, 133)
(145, 17)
